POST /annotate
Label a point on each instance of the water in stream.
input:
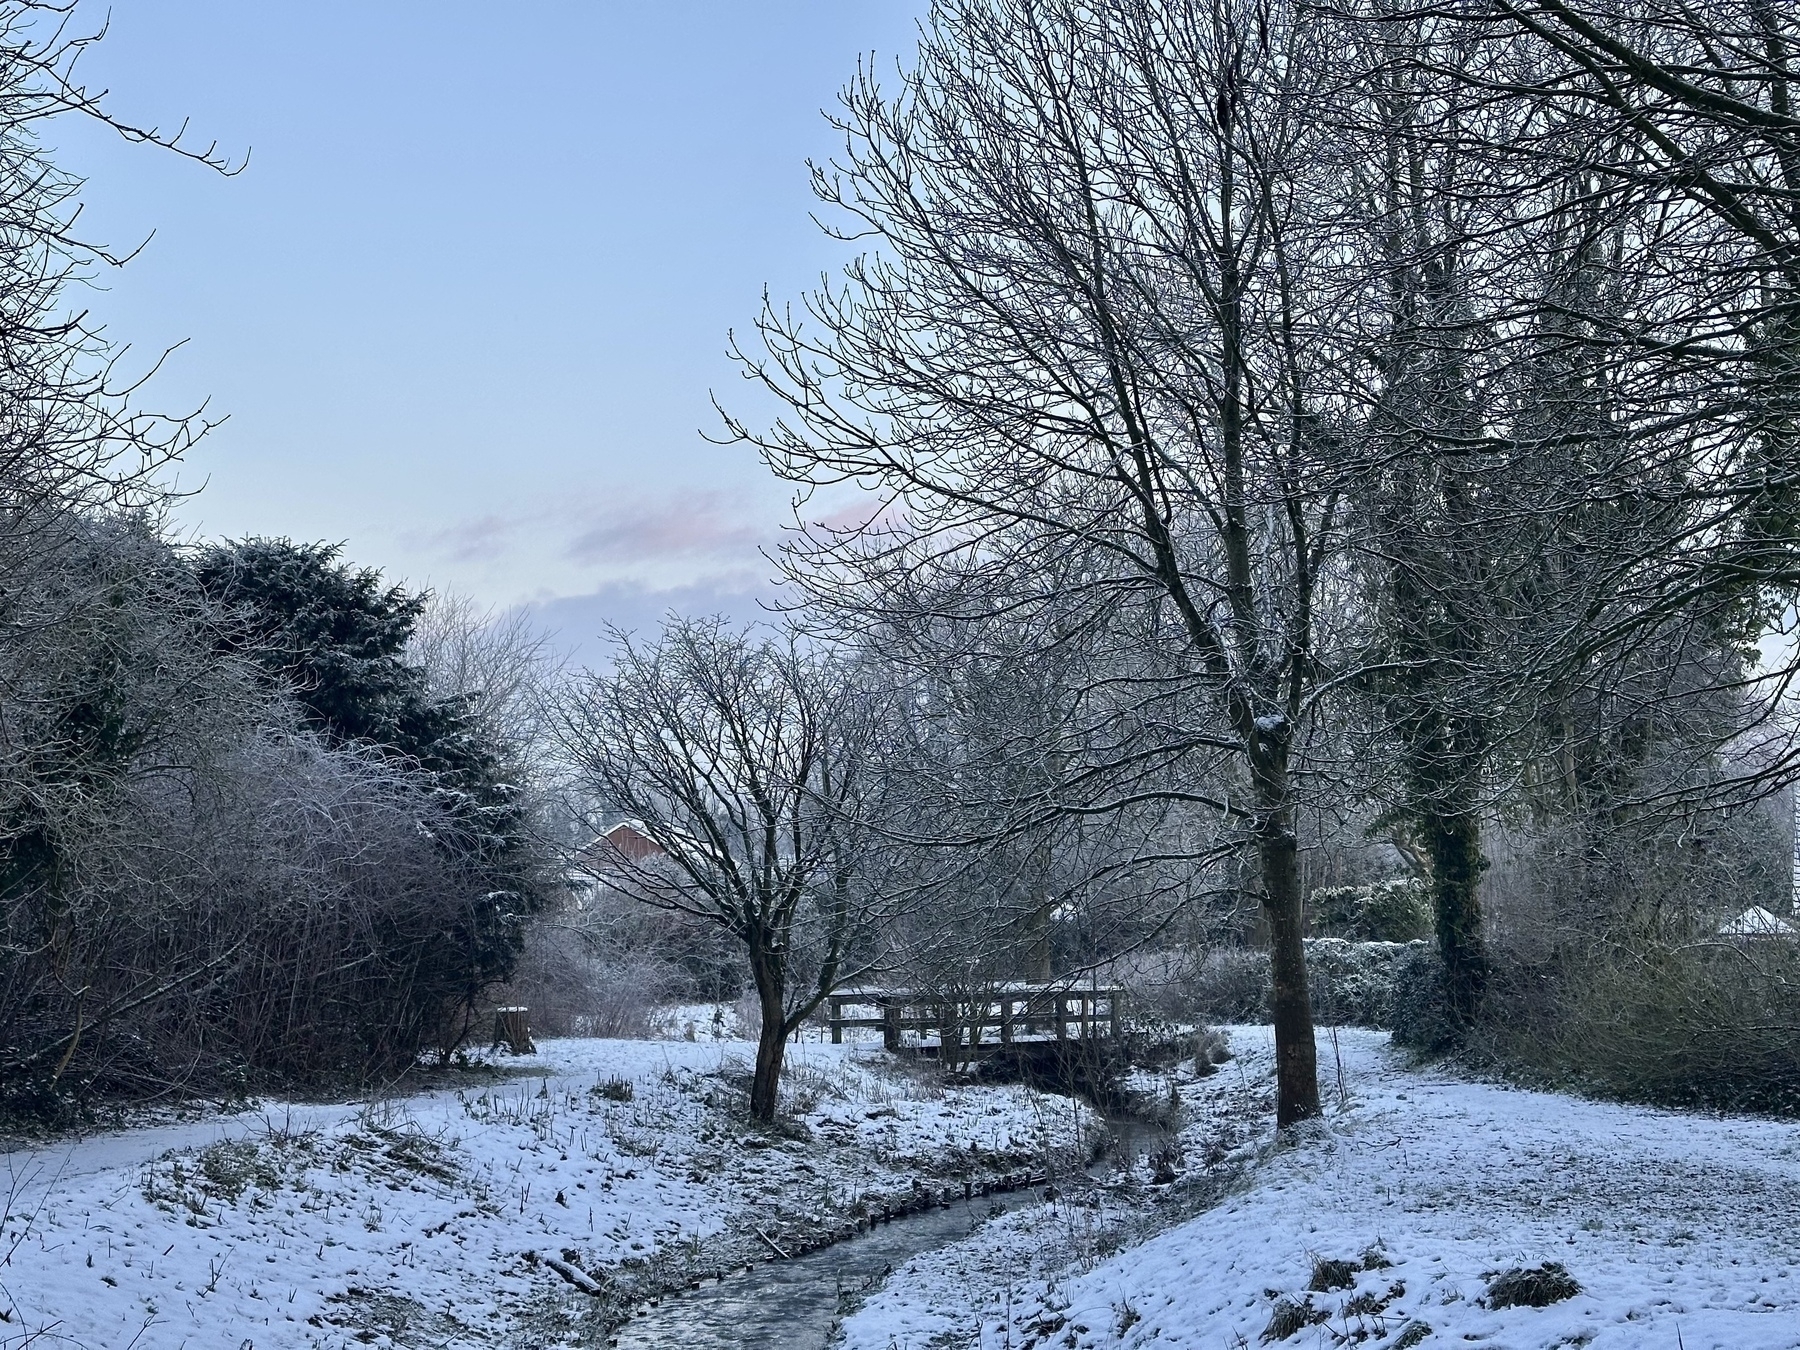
(793, 1305)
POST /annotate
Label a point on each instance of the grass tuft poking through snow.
(1538, 1287)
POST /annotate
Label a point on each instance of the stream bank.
(797, 1304)
(440, 1220)
(1397, 1220)
(868, 1153)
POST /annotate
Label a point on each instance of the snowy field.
(531, 1210)
(523, 1211)
(1418, 1190)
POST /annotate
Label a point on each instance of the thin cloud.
(696, 525)
(479, 540)
(579, 620)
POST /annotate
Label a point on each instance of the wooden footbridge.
(960, 1027)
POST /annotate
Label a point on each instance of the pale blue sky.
(465, 306)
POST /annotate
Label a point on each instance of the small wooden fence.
(961, 1024)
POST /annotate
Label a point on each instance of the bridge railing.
(962, 1023)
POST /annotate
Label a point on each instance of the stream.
(796, 1304)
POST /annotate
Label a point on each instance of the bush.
(1232, 986)
(1351, 983)
(578, 983)
(1420, 1010)
(1381, 911)
(314, 947)
(1711, 1023)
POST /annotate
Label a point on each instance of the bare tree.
(1016, 709)
(750, 764)
(73, 439)
(1101, 316)
(1559, 526)
(496, 662)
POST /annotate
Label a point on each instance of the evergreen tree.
(335, 636)
(327, 630)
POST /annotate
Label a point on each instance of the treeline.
(249, 835)
(1287, 426)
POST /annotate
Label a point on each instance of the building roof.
(1758, 922)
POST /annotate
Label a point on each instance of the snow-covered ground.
(1681, 1230)
(525, 1210)
(531, 1210)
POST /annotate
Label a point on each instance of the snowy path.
(431, 1220)
(1683, 1231)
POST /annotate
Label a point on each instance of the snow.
(434, 1218)
(1679, 1228)
(1758, 922)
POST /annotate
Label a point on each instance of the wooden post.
(1115, 1008)
(1006, 1022)
(837, 1020)
(890, 1025)
(1062, 1016)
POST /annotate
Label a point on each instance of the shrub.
(1233, 986)
(1420, 1011)
(1212, 1048)
(1352, 983)
(578, 988)
(1383, 911)
(1700, 1024)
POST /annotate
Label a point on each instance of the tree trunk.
(1454, 842)
(1037, 944)
(1290, 1003)
(1037, 924)
(771, 1043)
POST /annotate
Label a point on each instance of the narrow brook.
(795, 1305)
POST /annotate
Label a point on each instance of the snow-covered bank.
(1681, 1230)
(443, 1219)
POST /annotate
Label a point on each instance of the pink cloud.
(863, 514)
(700, 524)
